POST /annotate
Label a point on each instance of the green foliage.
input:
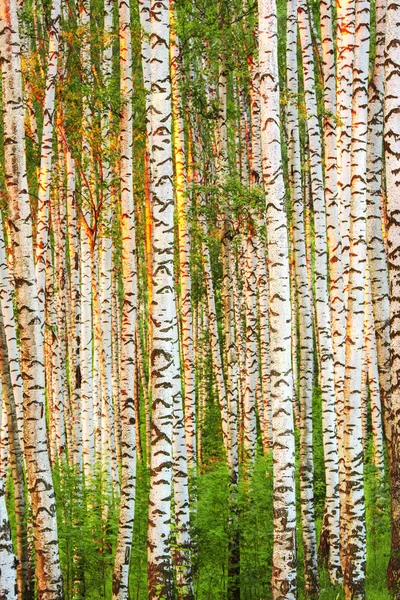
(88, 523)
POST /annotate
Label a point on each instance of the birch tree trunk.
(392, 152)
(344, 67)
(284, 552)
(252, 366)
(16, 460)
(8, 561)
(40, 483)
(129, 316)
(306, 345)
(74, 329)
(355, 551)
(86, 325)
(164, 353)
(47, 150)
(108, 200)
(334, 237)
(7, 310)
(184, 250)
(378, 458)
(377, 262)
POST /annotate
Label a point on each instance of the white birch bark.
(16, 462)
(129, 316)
(252, 366)
(164, 353)
(86, 356)
(378, 458)
(86, 325)
(46, 150)
(74, 303)
(355, 549)
(8, 561)
(7, 310)
(108, 454)
(306, 342)
(53, 374)
(40, 484)
(323, 315)
(345, 22)
(392, 153)
(265, 359)
(284, 552)
(377, 262)
(184, 246)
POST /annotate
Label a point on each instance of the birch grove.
(199, 299)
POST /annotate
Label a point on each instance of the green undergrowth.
(88, 525)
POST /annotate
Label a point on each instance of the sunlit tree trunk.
(116, 344)
(16, 462)
(355, 540)
(306, 341)
(184, 251)
(392, 153)
(378, 266)
(7, 310)
(261, 269)
(265, 359)
(345, 19)
(373, 382)
(86, 324)
(53, 371)
(47, 150)
(252, 366)
(164, 353)
(182, 550)
(334, 236)
(232, 343)
(74, 321)
(8, 562)
(108, 199)
(30, 320)
(284, 552)
(129, 316)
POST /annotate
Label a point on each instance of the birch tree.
(284, 553)
(392, 150)
(305, 314)
(354, 566)
(129, 315)
(30, 319)
(164, 361)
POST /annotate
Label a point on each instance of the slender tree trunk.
(129, 316)
(377, 261)
(345, 18)
(40, 483)
(306, 345)
(184, 245)
(284, 552)
(252, 366)
(7, 310)
(47, 150)
(333, 229)
(75, 305)
(16, 461)
(378, 458)
(8, 561)
(164, 353)
(86, 325)
(392, 152)
(355, 550)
